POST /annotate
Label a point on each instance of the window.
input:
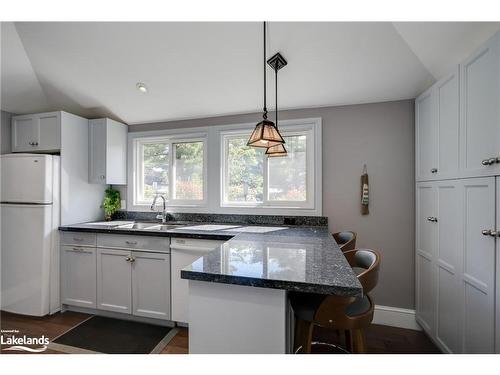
(250, 178)
(172, 167)
(211, 170)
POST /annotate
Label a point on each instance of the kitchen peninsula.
(239, 289)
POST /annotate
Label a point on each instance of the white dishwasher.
(183, 252)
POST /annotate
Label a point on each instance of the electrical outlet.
(123, 204)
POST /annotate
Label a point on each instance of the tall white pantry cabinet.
(457, 123)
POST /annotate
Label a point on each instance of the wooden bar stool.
(346, 240)
(348, 314)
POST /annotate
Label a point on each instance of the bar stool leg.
(309, 327)
(348, 341)
(359, 341)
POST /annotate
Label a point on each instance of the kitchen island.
(238, 292)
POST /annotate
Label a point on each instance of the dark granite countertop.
(304, 259)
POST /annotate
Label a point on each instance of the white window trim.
(171, 137)
(213, 169)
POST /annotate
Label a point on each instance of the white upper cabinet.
(448, 126)
(437, 130)
(426, 135)
(480, 118)
(39, 132)
(108, 152)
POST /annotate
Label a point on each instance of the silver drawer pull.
(127, 259)
(489, 232)
(131, 242)
(432, 219)
(130, 259)
(434, 170)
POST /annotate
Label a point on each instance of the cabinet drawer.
(78, 238)
(122, 241)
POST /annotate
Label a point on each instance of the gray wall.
(5, 132)
(382, 136)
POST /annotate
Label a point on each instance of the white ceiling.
(205, 69)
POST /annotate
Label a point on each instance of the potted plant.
(111, 203)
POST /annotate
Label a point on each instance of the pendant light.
(265, 133)
(277, 62)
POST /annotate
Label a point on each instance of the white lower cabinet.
(455, 263)
(114, 280)
(78, 275)
(151, 285)
(134, 282)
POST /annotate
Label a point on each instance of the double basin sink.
(140, 226)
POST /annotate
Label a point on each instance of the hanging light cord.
(265, 105)
(276, 92)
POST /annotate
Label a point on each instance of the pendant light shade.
(265, 135)
(275, 151)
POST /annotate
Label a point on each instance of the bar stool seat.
(342, 313)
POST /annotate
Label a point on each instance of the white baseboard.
(395, 317)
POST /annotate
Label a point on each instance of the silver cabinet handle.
(131, 242)
(434, 170)
(432, 219)
(489, 232)
(127, 259)
(102, 177)
(490, 161)
(132, 260)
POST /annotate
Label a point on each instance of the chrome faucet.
(163, 215)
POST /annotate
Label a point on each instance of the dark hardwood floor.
(380, 339)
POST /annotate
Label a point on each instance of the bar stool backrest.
(366, 259)
(346, 240)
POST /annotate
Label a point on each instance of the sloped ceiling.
(205, 69)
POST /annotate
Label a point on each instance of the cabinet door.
(78, 276)
(478, 280)
(426, 136)
(114, 280)
(50, 131)
(497, 309)
(151, 285)
(25, 133)
(97, 152)
(480, 120)
(116, 153)
(425, 254)
(448, 126)
(448, 264)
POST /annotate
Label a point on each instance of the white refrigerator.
(30, 211)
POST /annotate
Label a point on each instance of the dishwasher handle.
(194, 249)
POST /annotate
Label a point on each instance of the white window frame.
(171, 137)
(312, 205)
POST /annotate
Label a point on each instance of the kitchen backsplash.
(226, 218)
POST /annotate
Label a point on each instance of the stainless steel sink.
(137, 226)
(165, 226)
